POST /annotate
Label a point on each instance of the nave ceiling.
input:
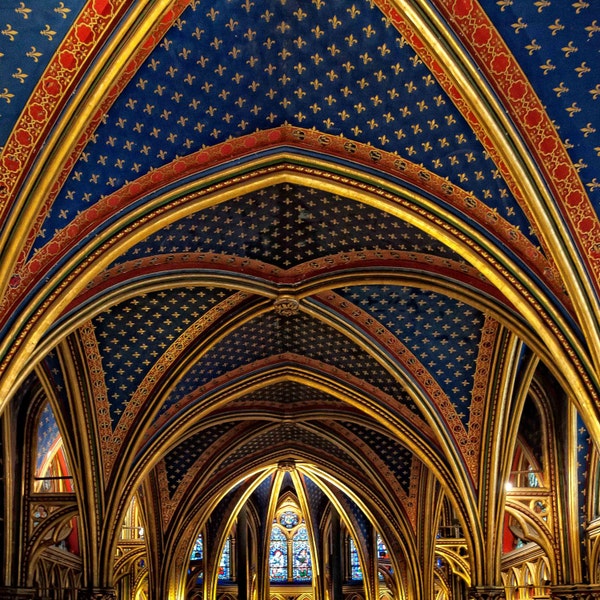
(236, 234)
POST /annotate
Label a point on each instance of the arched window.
(52, 472)
(278, 555)
(198, 551)
(355, 570)
(382, 552)
(290, 557)
(302, 570)
(225, 564)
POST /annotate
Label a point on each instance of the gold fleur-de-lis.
(569, 49)
(33, 53)
(283, 27)
(23, 10)
(49, 33)
(573, 109)
(504, 4)
(520, 24)
(247, 5)
(300, 14)
(580, 5)
(533, 47)
(595, 92)
(383, 49)
(335, 22)
(62, 10)
(353, 11)
(582, 69)
(593, 28)
(9, 32)
(20, 75)
(212, 13)
(541, 5)
(588, 130)
(556, 27)
(6, 95)
(369, 31)
(560, 90)
(317, 32)
(547, 67)
(232, 24)
(593, 185)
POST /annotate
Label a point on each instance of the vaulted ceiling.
(244, 232)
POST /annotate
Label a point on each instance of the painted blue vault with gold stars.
(352, 234)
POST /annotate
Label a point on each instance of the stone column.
(242, 555)
(486, 593)
(578, 591)
(335, 561)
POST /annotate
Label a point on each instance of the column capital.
(97, 594)
(486, 593)
(578, 591)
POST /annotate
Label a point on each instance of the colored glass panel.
(278, 560)
(225, 564)
(302, 568)
(289, 519)
(356, 573)
(198, 551)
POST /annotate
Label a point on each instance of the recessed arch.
(519, 294)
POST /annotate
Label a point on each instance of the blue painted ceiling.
(225, 70)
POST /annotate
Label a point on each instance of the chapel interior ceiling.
(300, 314)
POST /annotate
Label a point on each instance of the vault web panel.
(397, 458)
(180, 459)
(230, 68)
(284, 437)
(443, 333)
(288, 224)
(270, 335)
(32, 32)
(134, 334)
(360, 520)
(55, 373)
(261, 497)
(290, 392)
(317, 500)
(554, 42)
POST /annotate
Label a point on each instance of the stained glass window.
(198, 551)
(278, 559)
(302, 569)
(288, 519)
(382, 552)
(225, 564)
(532, 479)
(355, 570)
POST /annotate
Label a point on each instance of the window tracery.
(290, 558)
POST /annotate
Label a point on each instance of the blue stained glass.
(356, 573)
(302, 568)
(532, 480)
(198, 551)
(278, 560)
(289, 519)
(382, 552)
(225, 564)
